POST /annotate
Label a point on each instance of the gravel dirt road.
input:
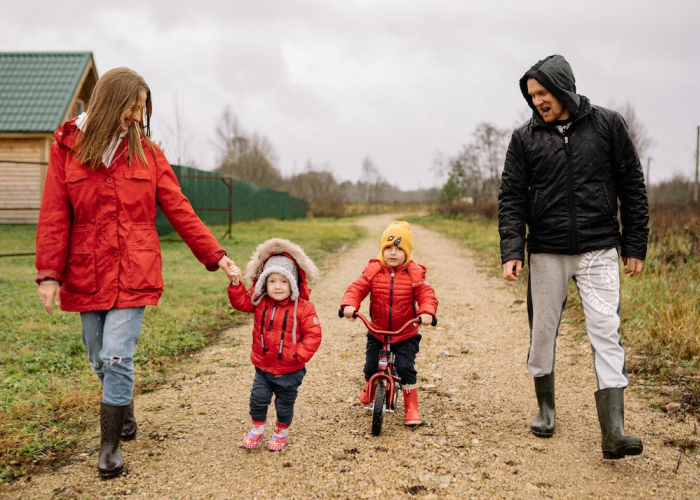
(476, 398)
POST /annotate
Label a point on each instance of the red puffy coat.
(397, 295)
(273, 326)
(96, 233)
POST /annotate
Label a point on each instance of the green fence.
(219, 199)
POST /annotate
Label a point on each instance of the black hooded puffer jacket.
(565, 186)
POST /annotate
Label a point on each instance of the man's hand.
(511, 269)
(231, 270)
(49, 294)
(347, 312)
(633, 265)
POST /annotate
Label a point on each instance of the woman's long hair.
(105, 113)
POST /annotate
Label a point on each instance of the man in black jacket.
(565, 170)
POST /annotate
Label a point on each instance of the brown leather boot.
(111, 462)
(410, 404)
(130, 427)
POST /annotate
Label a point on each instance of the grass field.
(660, 308)
(48, 393)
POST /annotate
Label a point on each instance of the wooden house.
(38, 92)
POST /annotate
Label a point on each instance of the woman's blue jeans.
(110, 338)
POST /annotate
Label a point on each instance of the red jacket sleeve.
(55, 218)
(424, 294)
(310, 330)
(357, 291)
(181, 215)
(240, 298)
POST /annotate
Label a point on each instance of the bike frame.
(385, 366)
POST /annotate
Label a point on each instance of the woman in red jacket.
(398, 292)
(286, 333)
(97, 249)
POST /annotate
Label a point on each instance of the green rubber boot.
(543, 424)
(611, 415)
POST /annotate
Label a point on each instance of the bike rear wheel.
(379, 409)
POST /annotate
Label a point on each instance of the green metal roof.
(36, 88)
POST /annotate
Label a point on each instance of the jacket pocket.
(533, 206)
(144, 268)
(82, 239)
(81, 272)
(611, 207)
(76, 174)
(144, 261)
(141, 174)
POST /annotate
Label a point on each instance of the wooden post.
(697, 161)
(647, 178)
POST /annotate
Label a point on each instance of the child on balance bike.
(398, 292)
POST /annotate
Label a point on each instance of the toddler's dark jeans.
(284, 387)
(405, 357)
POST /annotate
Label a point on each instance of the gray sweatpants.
(597, 277)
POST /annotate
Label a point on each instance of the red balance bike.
(384, 385)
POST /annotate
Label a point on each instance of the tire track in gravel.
(476, 397)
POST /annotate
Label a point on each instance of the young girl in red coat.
(398, 292)
(286, 333)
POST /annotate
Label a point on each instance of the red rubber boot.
(366, 394)
(410, 403)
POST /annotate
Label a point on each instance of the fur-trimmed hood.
(278, 246)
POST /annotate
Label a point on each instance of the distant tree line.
(251, 157)
(472, 174)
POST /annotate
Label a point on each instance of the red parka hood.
(306, 269)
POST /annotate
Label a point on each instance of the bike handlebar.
(370, 326)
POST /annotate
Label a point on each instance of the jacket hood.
(555, 74)
(306, 268)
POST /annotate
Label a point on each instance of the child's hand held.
(348, 312)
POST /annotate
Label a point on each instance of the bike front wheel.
(379, 409)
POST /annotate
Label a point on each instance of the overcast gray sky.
(333, 82)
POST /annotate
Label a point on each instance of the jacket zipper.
(262, 330)
(573, 241)
(284, 327)
(391, 298)
(272, 317)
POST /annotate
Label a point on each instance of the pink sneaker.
(252, 440)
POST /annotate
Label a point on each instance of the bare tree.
(250, 157)
(637, 130)
(320, 189)
(474, 172)
(180, 137)
(371, 178)
(489, 149)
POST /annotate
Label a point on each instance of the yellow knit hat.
(399, 234)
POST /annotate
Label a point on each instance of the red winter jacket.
(273, 326)
(394, 294)
(96, 233)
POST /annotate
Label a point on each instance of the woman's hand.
(49, 294)
(231, 270)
